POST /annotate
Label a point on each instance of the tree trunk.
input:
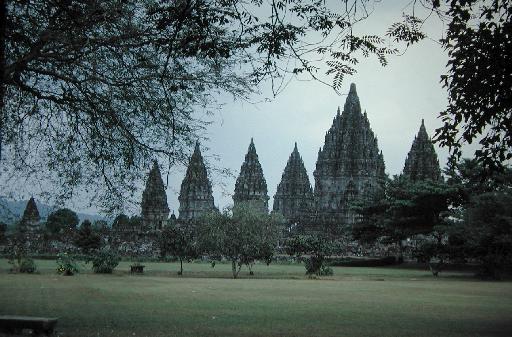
(181, 267)
(400, 252)
(233, 268)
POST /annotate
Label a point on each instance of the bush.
(67, 265)
(28, 266)
(326, 271)
(105, 261)
(23, 265)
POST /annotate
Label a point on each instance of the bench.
(38, 325)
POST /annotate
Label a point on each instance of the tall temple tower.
(422, 162)
(250, 185)
(196, 190)
(31, 218)
(349, 165)
(294, 196)
(154, 201)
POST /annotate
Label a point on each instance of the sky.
(396, 97)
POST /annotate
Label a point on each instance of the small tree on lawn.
(316, 248)
(242, 235)
(179, 242)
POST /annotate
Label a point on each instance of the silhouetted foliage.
(3, 230)
(60, 220)
(488, 232)
(408, 208)
(87, 239)
(121, 221)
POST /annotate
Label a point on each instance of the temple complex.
(422, 162)
(31, 218)
(154, 201)
(294, 196)
(349, 167)
(251, 186)
(196, 189)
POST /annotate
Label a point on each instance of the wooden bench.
(38, 325)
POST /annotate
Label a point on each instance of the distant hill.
(12, 210)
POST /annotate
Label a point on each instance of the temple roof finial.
(352, 89)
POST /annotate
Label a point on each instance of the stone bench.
(38, 325)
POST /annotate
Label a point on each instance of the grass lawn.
(277, 301)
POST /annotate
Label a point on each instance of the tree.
(60, 220)
(87, 239)
(242, 235)
(484, 230)
(100, 225)
(179, 242)
(407, 208)
(93, 91)
(3, 230)
(316, 247)
(488, 232)
(121, 221)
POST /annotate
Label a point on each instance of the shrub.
(28, 266)
(67, 265)
(23, 265)
(105, 261)
(326, 271)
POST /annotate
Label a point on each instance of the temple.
(31, 218)
(422, 162)
(196, 189)
(251, 186)
(294, 196)
(154, 201)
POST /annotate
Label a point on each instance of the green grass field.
(277, 301)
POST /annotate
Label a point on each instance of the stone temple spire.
(196, 189)
(294, 196)
(250, 185)
(154, 201)
(349, 165)
(31, 217)
(422, 162)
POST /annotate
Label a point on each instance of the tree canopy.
(240, 235)
(60, 220)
